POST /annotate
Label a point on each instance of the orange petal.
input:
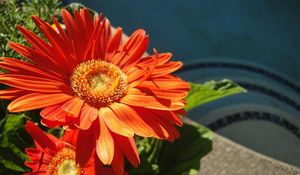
(87, 21)
(70, 136)
(166, 82)
(171, 94)
(136, 45)
(71, 26)
(170, 116)
(132, 119)
(136, 100)
(167, 68)
(102, 39)
(10, 68)
(114, 123)
(34, 155)
(168, 126)
(128, 148)
(25, 68)
(137, 54)
(151, 102)
(105, 144)
(85, 145)
(39, 136)
(50, 123)
(160, 131)
(80, 25)
(37, 57)
(87, 116)
(36, 101)
(58, 26)
(32, 83)
(135, 74)
(162, 58)
(168, 130)
(53, 113)
(114, 44)
(165, 104)
(11, 93)
(61, 48)
(132, 50)
(73, 107)
(91, 51)
(118, 161)
(41, 46)
(36, 41)
(75, 30)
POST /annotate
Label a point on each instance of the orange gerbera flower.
(54, 156)
(86, 77)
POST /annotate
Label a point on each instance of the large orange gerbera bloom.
(54, 156)
(86, 77)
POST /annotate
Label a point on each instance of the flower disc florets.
(63, 163)
(99, 83)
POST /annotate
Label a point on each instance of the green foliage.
(179, 157)
(185, 153)
(13, 140)
(18, 12)
(210, 91)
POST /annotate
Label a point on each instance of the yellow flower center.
(98, 83)
(67, 167)
(63, 163)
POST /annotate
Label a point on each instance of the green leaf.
(192, 172)
(13, 141)
(147, 148)
(58, 132)
(184, 154)
(180, 157)
(10, 161)
(210, 91)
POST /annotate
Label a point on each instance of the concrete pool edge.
(230, 158)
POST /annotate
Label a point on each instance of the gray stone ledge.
(230, 158)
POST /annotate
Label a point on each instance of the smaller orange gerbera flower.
(54, 156)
